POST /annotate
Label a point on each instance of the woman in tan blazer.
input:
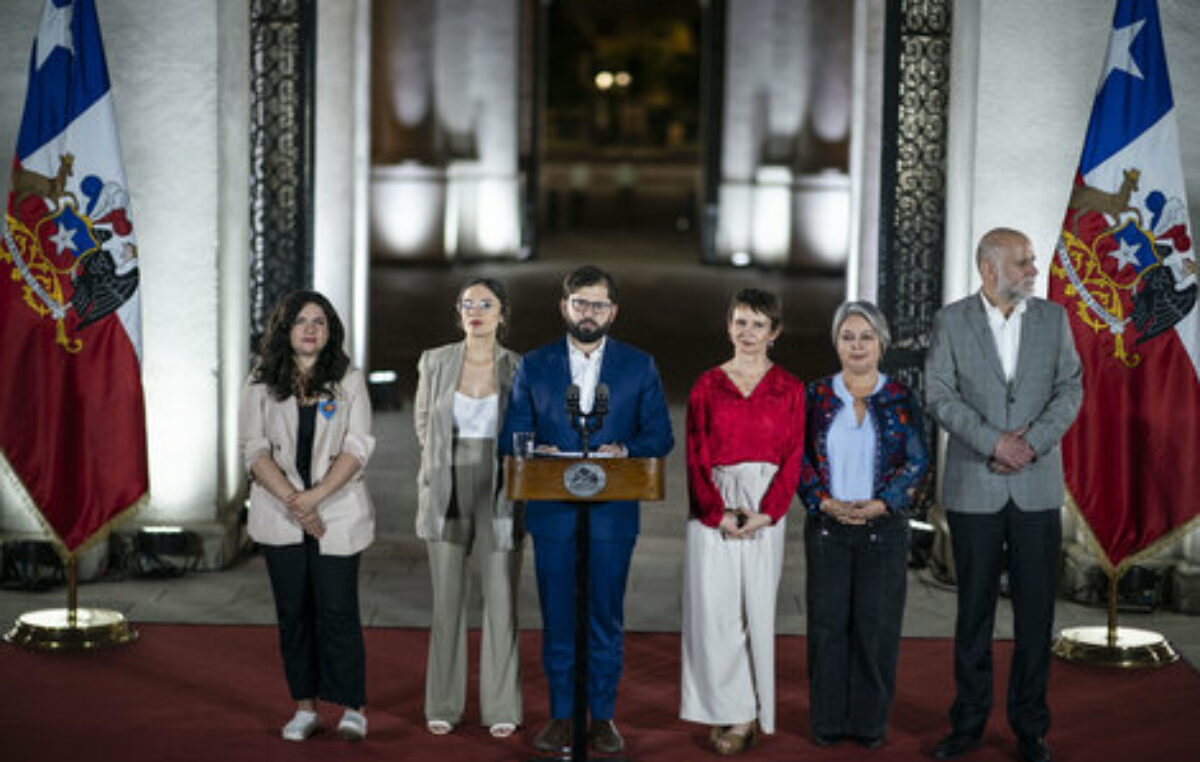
(305, 433)
(461, 398)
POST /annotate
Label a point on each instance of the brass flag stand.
(72, 628)
(1113, 646)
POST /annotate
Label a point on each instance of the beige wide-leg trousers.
(469, 532)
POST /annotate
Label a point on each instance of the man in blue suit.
(636, 425)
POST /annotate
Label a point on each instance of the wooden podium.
(583, 481)
(547, 478)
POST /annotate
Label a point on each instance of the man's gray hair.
(997, 240)
(868, 312)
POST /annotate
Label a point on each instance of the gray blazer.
(433, 417)
(967, 394)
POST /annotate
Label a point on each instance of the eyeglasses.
(483, 305)
(581, 305)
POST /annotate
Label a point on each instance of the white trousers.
(729, 592)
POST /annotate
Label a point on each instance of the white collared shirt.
(1006, 332)
(585, 371)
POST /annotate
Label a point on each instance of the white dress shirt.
(585, 372)
(1006, 332)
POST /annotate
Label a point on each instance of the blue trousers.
(608, 572)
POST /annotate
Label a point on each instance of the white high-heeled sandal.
(439, 727)
(502, 729)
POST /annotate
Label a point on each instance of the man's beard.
(593, 332)
(1013, 291)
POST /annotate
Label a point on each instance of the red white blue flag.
(72, 417)
(1125, 269)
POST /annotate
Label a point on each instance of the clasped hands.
(303, 506)
(1011, 453)
(853, 512)
(741, 524)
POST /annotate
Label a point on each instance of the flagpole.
(1113, 646)
(72, 590)
(72, 628)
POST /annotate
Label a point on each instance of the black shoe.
(826, 739)
(870, 742)
(555, 737)
(604, 737)
(1033, 749)
(955, 745)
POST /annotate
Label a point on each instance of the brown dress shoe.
(555, 737)
(604, 737)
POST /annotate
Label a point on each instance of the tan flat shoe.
(729, 743)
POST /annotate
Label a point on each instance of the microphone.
(600, 406)
(573, 401)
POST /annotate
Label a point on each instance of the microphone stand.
(585, 424)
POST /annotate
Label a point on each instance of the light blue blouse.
(851, 447)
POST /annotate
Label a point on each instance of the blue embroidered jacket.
(900, 457)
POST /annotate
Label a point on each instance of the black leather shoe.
(955, 745)
(604, 737)
(555, 737)
(826, 739)
(1033, 749)
(870, 742)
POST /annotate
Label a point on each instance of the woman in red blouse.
(745, 444)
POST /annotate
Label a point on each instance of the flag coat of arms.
(1125, 269)
(72, 418)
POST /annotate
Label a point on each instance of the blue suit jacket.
(637, 419)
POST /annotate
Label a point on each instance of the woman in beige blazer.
(305, 431)
(461, 398)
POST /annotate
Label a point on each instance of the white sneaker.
(352, 726)
(302, 725)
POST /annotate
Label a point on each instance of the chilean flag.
(1125, 270)
(72, 416)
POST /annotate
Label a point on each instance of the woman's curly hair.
(276, 365)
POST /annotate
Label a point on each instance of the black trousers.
(855, 590)
(320, 630)
(1028, 544)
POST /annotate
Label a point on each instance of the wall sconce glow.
(772, 215)
(498, 215)
(822, 214)
(407, 203)
(734, 224)
(604, 80)
(623, 79)
(182, 488)
(382, 377)
(162, 530)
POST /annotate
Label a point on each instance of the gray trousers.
(468, 528)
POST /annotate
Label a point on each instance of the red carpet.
(217, 693)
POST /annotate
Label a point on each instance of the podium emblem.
(584, 479)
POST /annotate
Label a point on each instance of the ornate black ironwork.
(282, 60)
(913, 207)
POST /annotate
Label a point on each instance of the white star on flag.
(1126, 254)
(64, 239)
(55, 32)
(1120, 52)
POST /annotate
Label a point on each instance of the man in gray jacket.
(1003, 379)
